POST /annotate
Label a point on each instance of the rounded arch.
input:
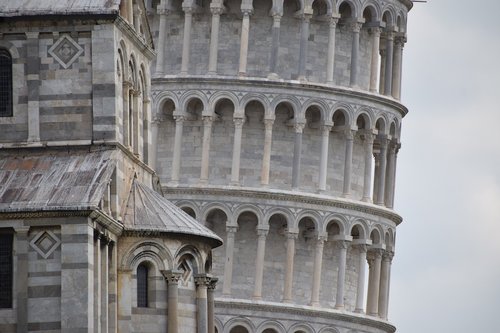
(321, 105)
(346, 110)
(376, 235)
(313, 216)
(249, 208)
(381, 125)
(353, 11)
(369, 115)
(336, 219)
(219, 96)
(363, 121)
(262, 99)
(389, 16)
(322, 7)
(163, 98)
(133, 70)
(389, 239)
(328, 330)
(124, 53)
(373, 8)
(190, 95)
(217, 206)
(291, 101)
(271, 325)
(11, 48)
(192, 252)
(184, 204)
(301, 327)
(145, 71)
(239, 321)
(279, 211)
(144, 250)
(359, 229)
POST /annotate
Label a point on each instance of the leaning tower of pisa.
(277, 124)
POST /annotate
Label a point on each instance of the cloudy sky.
(446, 273)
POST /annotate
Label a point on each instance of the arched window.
(5, 84)
(142, 286)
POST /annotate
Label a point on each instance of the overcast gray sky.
(446, 272)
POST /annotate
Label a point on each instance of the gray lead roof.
(10, 8)
(148, 211)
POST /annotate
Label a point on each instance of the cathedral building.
(199, 166)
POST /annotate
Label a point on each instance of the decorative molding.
(65, 50)
(45, 243)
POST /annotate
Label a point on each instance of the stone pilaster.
(235, 168)
(216, 9)
(367, 179)
(211, 304)
(349, 143)
(172, 277)
(162, 41)
(259, 263)
(360, 290)
(202, 282)
(330, 62)
(356, 28)
(291, 236)
(33, 84)
(374, 257)
(374, 65)
(389, 57)
(21, 277)
(245, 30)
(228, 266)
(266, 158)
(341, 246)
(207, 137)
(323, 166)
(176, 160)
(297, 152)
(186, 43)
(318, 260)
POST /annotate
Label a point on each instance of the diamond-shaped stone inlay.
(187, 272)
(65, 50)
(45, 242)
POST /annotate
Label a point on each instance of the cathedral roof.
(54, 181)
(57, 7)
(148, 211)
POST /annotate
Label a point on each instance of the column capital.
(261, 232)
(292, 234)
(188, 10)
(299, 126)
(362, 248)
(247, 11)
(276, 17)
(400, 40)
(376, 31)
(368, 137)
(269, 122)
(231, 229)
(341, 244)
(162, 11)
(356, 26)
(374, 253)
(389, 34)
(213, 283)
(171, 276)
(179, 118)
(387, 256)
(216, 9)
(202, 280)
(349, 134)
(22, 230)
(326, 128)
(321, 239)
(333, 22)
(207, 120)
(238, 121)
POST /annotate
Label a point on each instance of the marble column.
(360, 290)
(172, 277)
(266, 157)
(389, 56)
(205, 153)
(323, 166)
(349, 143)
(390, 174)
(235, 168)
(304, 38)
(153, 148)
(381, 85)
(202, 282)
(399, 42)
(32, 76)
(330, 62)
(374, 258)
(211, 304)
(375, 33)
(245, 30)
(228, 266)
(290, 258)
(382, 171)
(342, 248)
(376, 155)
(393, 175)
(126, 114)
(297, 152)
(356, 28)
(113, 288)
(104, 284)
(162, 41)
(273, 63)
(318, 260)
(259, 263)
(186, 42)
(384, 284)
(97, 282)
(367, 179)
(176, 158)
(216, 9)
(21, 277)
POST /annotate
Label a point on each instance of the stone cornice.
(306, 311)
(273, 84)
(313, 199)
(138, 41)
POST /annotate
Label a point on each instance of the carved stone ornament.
(65, 50)
(45, 243)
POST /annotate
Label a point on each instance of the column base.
(339, 307)
(359, 311)
(273, 76)
(346, 195)
(173, 183)
(233, 183)
(367, 199)
(242, 74)
(257, 298)
(212, 73)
